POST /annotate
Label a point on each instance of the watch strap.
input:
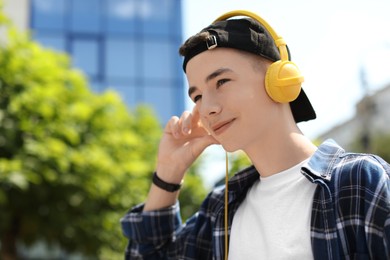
(170, 187)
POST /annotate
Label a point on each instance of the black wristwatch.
(170, 187)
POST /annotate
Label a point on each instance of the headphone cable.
(226, 206)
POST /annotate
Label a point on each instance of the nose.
(210, 106)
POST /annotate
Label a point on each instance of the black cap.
(248, 35)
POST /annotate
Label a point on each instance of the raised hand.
(184, 139)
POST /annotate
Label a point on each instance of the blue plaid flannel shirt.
(350, 213)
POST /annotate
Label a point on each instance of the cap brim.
(302, 109)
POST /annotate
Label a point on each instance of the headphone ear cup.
(283, 81)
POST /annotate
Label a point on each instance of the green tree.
(72, 162)
(193, 192)
(239, 161)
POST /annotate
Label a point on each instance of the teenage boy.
(297, 201)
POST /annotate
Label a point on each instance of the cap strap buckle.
(211, 42)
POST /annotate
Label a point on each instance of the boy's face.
(228, 90)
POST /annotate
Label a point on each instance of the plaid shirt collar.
(319, 166)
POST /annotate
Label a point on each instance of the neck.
(280, 152)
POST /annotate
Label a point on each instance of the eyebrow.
(212, 76)
(217, 73)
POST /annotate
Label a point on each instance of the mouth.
(222, 126)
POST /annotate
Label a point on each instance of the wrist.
(167, 186)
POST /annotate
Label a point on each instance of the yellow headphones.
(283, 79)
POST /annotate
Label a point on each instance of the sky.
(331, 42)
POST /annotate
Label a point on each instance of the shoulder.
(361, 188)
(361, 169)
(333, 164)
(361, 181)
(345, 172)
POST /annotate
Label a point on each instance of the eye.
(221, 82)
(196, 98)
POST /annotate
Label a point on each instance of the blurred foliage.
(377, 143)
(72, 162)
(237, 162)
(193, 192)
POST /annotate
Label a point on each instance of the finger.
(172, 126)
(195, 116)
(197, 127)
(186, 122)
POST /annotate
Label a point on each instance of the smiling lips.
(222, 126)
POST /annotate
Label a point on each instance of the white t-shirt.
(273, 222)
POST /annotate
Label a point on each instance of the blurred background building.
(372, 117)
(130, 46)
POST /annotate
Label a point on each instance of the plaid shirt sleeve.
(149, 231)
(160, 234)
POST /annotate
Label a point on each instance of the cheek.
(257, 96)
(248, 98)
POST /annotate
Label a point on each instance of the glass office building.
(130, 46)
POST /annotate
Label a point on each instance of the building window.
(85, 55)
(86, 16)
(49, 14)
(121, 59)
